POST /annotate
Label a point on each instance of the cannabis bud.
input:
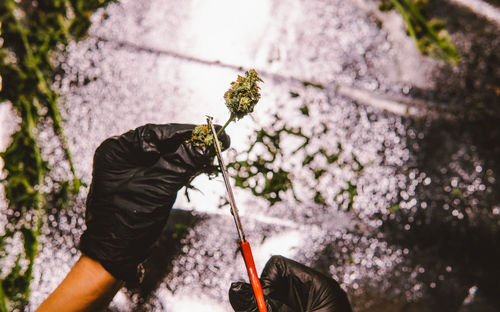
(241, 98)
(202, 136)
(244, 94)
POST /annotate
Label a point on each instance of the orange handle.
(252, 274)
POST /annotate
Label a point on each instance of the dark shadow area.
(453, 228)
(472, 88)
(454, 225)
(167, 248)
(449, 222)
(494, 2)
(374, 293)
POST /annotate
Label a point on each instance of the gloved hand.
(135, 180)
(290, 286)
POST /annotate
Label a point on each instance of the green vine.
(32, 34)
(430, 36)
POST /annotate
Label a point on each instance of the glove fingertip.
(225, 141)
(241, 296)
(224, 138)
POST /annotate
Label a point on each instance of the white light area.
(206, 98)
(471, 295)
(227, 30)
(8, 121)
(378, 102)
(121, 301)
(187, 300)
(206, 198)
(285, 244)
(272, 220)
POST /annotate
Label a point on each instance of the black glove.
(290, 286)
(135, 180)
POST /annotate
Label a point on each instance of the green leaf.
(30, 243)
(319, 199)
(79, 27)
(312, 84)
(394, 208)
(304, 110)
(181, 231)
(429, 34)
(318, 173)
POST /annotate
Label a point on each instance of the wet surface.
(418, 233)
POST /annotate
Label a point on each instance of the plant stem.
(414, 19)
(31, 124)
(407, 19)
(231, 118)
(3, 304)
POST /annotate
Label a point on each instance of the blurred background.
(372, 156)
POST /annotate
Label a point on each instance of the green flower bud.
(241, 98)
(243, 95)
(202, 136)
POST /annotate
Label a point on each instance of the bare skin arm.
(87, 287)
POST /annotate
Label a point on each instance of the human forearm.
(87, 287)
